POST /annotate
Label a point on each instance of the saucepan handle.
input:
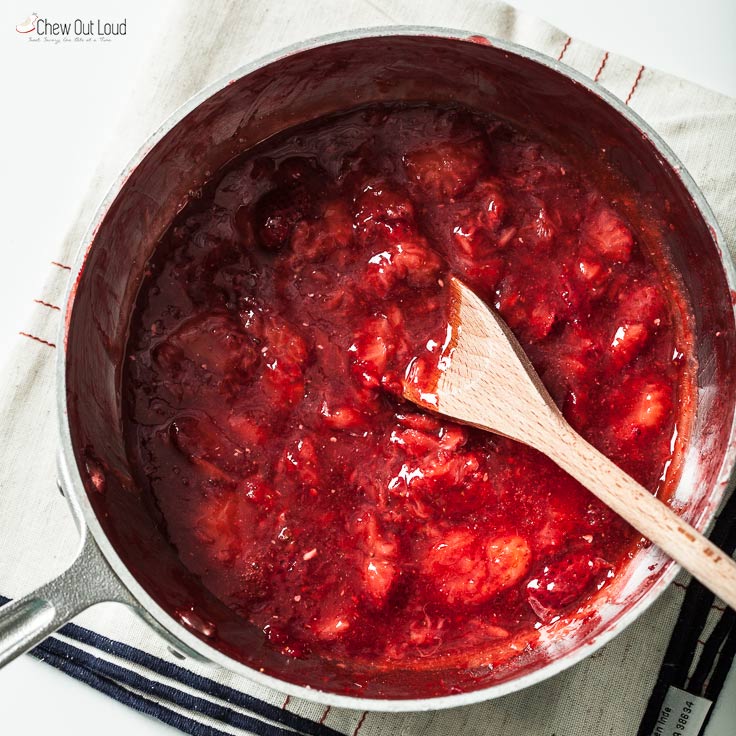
(29, 620)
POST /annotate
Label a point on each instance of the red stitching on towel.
(46, 304)
(360, 723)
(37, 339)
(61, 265)
(601, 67)
(286, 702)
(636, 84)
(324, 715)
(564, 48)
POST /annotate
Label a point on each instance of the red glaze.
(264, 378)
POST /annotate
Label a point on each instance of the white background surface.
(60, 106)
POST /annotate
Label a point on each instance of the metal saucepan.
(124, 554)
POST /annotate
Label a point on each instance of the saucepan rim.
(72, 481)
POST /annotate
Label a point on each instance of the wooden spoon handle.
(648, 515)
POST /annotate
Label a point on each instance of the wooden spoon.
(485, 379)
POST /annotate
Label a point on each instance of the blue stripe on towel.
(203, 684)
(69, 666)
(105, 669)
(96, 672)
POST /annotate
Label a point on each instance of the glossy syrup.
(265, 372)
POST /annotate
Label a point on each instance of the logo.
(36, 28)
(28, 25)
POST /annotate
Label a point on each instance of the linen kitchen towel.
(109, 647)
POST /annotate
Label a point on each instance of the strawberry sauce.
(265, 369)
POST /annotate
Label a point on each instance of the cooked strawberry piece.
(379, 558)
(457, 567)
(530, 312)
(468, 570)
(493, 204)
(420, 380)
(419, 264)
(247, 431)
(446, 169)
(258, 492)
(409, 260)
(379, 574)
(279, 212)
(565, 581)
(506, 236)
(286, 346)
(285, 356)
(371, 350)
(541, 320)
(476, 244)
(609, 235)
(422, 422)
(380, 207)
(452, 469)
(539, 230)
(212, 342)
(570, 372)
(651, 405)
(300, 461)
(330, 626)
(293, 200)
(381, 274)
(576, 354)
(543, 227)
(208, 447)
(628, 342)
(559, 527)
(331, 231)
(485, 631)
(367, 400)
(427, 634)
(255, 582)
(343, 418)
(477, 229)
(592, 272)
(485, 275)
(509, 558)
(219, 517)
(432, 459)
(415, 442)
(470, 240)
(642, 303)
(452, 437)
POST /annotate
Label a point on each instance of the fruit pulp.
(267, 355)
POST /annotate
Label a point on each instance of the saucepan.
(124, 552)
